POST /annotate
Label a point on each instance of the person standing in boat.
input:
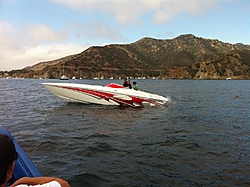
(129, 84)
(8, 156)
(125, 83)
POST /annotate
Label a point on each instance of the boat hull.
(104, 95)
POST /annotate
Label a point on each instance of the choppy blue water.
(200, 138)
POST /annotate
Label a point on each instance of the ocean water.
(200, 138)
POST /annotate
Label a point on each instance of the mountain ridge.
(183, 57)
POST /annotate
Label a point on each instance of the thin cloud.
(94, 31)
(125, 11)
(31, 35)
(42, 33)
(31, 44)
(36, 54)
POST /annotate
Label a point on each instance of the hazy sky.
(32, 31)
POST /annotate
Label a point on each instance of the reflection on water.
(200, 138)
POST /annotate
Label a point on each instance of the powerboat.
(111, 94)
(24, 167)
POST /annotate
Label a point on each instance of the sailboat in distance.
(228, 78)
(64, 77)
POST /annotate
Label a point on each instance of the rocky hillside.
(184, 57)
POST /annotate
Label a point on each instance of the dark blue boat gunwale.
(24, 167)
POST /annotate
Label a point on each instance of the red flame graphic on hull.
(133, 101)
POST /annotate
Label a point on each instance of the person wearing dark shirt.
(125, 83)
(129, 84)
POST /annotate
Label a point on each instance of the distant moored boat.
(64, 77)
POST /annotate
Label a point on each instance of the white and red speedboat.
(111, 94)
